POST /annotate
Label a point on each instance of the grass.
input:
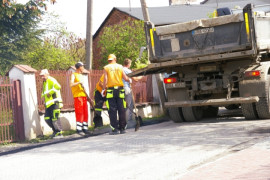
(5, 132)
(65, 133)
(7, 144)
(6, 126)
(47, 137)
(6, 117)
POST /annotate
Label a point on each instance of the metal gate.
(11, 114)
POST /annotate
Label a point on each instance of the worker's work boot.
(53, 134)
(80, 133)
(114, 132)
(122, 131)
(86, 132)
(58, 135)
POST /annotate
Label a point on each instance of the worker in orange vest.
(115, 96)
(99, 96)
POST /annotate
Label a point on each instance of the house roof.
(182, 13)
(170, 14)
(238, 1)
(23, 68)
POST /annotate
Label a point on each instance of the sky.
(73, 12)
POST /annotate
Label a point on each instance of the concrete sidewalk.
(248, 164)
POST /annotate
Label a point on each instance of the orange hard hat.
(111, 57)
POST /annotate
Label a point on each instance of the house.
(164, 15)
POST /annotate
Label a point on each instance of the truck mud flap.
(212, 102)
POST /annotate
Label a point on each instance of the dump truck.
(215, 62)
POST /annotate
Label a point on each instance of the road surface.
(161, 151)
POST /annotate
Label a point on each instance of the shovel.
(137, 117)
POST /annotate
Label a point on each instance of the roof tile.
(25, 68)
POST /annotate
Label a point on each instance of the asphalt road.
(160, 151)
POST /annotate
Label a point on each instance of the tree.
(30, 35)
(59, 48)
(18, 30)
(56, 52)
(124, 40)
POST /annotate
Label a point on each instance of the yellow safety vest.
(52, 87)
(77, 90)
(115, 73)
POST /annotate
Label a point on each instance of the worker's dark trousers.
(52, 117)
(99, 101)
(115, 101)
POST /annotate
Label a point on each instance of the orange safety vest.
(115, 73)
(77, 90)
(101, 80)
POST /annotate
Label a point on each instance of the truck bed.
(243, 34)
(204, 37)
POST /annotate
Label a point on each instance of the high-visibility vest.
(52, 87)
(101, 80)
(115, 73)
(78, 90)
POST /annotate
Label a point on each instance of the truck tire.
(210, 112)
(176, 114)
(263, 106)
(192, 114)
(249, 111)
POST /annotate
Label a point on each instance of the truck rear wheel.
(249, 111)
(192, 114)
(176, 114)
(263, 106)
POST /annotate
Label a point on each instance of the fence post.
(26, 75)
(18, 111)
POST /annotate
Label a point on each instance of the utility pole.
(89, 37)
(145, 11)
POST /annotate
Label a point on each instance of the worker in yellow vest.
(80, 100)
(99, 96)
(115, 96)
(53, 103)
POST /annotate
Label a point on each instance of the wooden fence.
(11, 111)
(63, 79)
(142, 89)
(6, 111)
